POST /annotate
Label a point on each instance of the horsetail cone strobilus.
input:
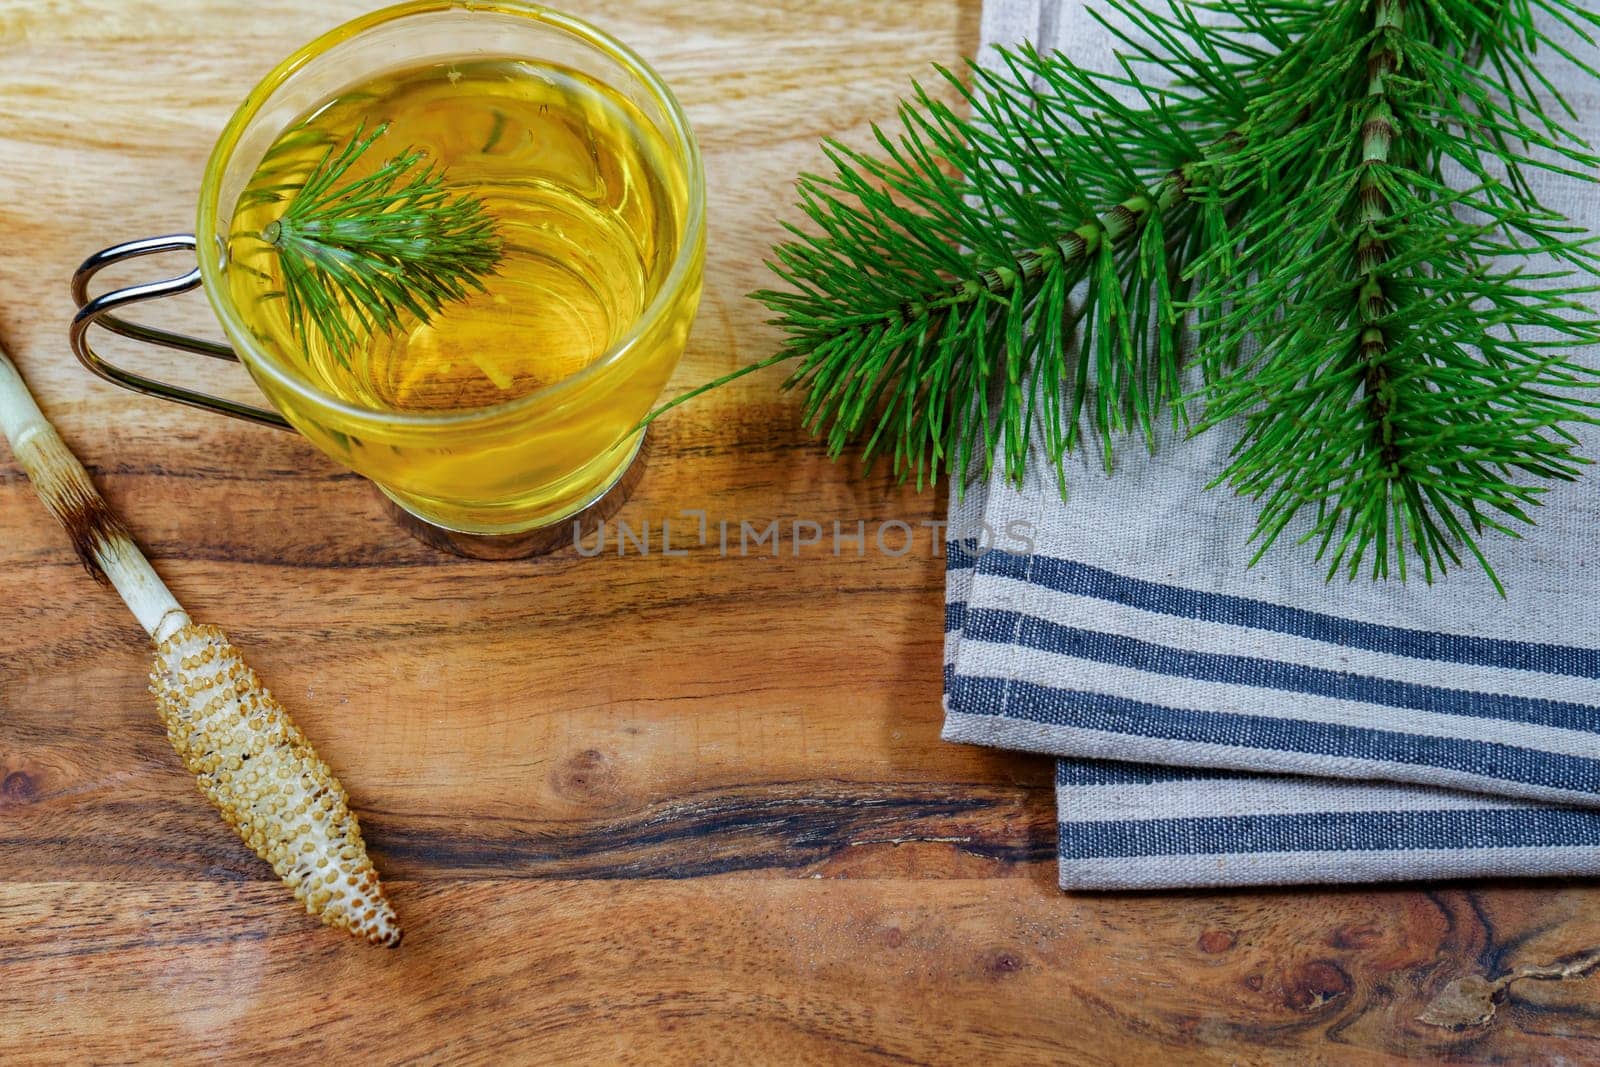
(247, 755)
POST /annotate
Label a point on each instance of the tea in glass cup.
(518, 406)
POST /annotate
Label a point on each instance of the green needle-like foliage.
(356, 254)
(1385, 315)
(1002, 271)
(1335, 198)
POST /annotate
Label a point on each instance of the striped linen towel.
(1230, 726)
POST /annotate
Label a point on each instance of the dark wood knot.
(18, 786)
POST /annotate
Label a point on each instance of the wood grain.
(675, 809)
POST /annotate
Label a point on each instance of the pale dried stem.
(101, 540)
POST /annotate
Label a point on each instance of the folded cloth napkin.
(1271, 713)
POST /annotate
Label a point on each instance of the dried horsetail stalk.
(247, 755)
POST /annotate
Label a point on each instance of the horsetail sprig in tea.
(357, 253)
(597, 225)
(1333, 195)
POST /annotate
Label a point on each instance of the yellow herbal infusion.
(577, 201)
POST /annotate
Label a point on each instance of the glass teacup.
(491, 480)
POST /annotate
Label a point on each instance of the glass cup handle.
(98, 312)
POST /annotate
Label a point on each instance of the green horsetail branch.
(1411, 378)
(1330, 199)
(358, 252)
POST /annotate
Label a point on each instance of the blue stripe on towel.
(1081, 579)
(1355, 831)
(1010, 627)
(1105, 713)
(958, 556)
(1106, 772)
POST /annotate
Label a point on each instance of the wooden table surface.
(665, 809)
